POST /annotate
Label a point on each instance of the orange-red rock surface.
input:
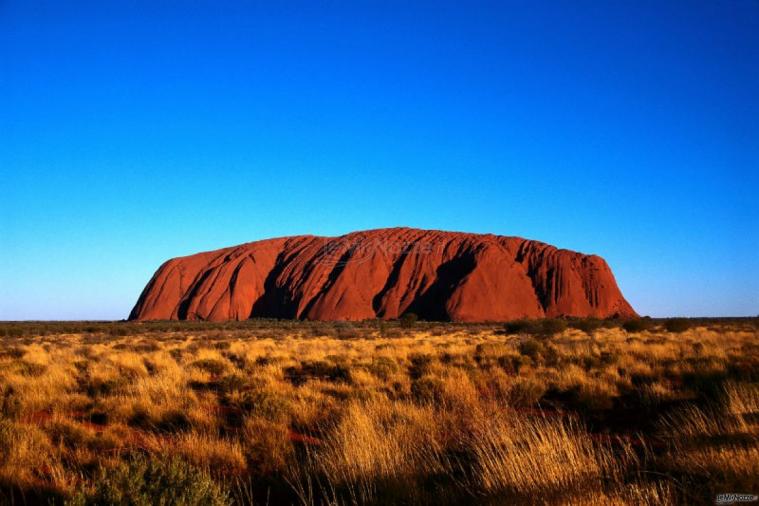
(383, 274)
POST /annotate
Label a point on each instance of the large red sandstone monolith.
(384, 274)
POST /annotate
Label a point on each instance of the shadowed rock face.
(383, 274)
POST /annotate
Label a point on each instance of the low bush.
(147, 482)
(519, 327)
(545, 328)
(676, 325)
(383, 367)
(264, 404)
(638, 325)
(317, 369)
(587, 325)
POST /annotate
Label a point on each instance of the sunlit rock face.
(384, 274)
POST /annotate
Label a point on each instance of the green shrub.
(383, 367)
(143, 482)
(266, 404)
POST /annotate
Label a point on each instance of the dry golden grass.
(339, 414)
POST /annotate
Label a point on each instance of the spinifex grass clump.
(546, 411)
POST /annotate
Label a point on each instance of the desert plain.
(554, 411)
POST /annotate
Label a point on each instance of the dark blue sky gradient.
(135, 133)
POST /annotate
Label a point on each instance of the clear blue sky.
(133, 133)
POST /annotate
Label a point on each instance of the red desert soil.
(384, 273)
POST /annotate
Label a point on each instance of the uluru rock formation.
(384, 273)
